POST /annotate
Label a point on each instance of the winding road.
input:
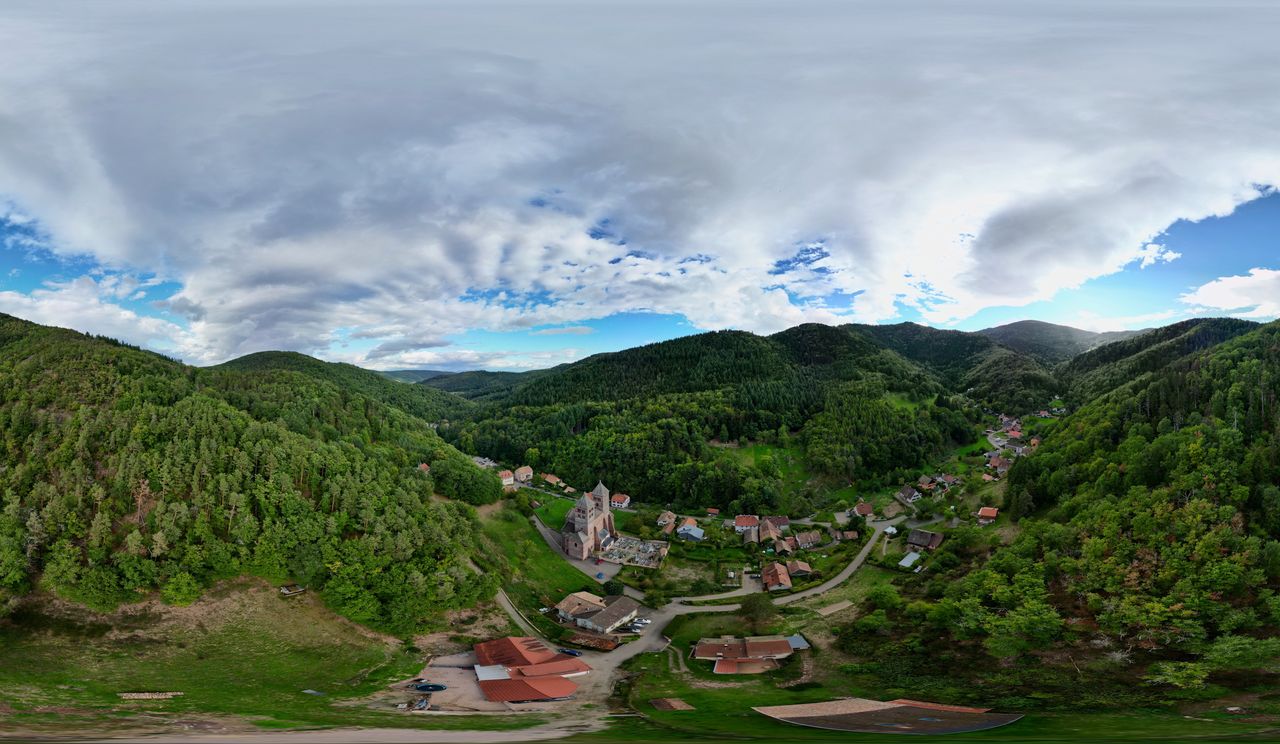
(607, 664)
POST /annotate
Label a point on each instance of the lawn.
(553, 511)
(242, 651)
(723, 712)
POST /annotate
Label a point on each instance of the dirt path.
(558, 730)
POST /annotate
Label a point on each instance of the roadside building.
(809, 539)
(578, 604)
(617, 611)
(689, 530)
(508, 478)
(522, 669)
(987, 515)
(924, 539)
(744, 522)
(799, 569)
(776, 577)
(908, 496)
(750, 655)
(620, 501)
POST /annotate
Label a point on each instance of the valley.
(1094, 533)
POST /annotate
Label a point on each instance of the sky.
(459, 184)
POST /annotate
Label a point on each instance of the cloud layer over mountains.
(312, 173)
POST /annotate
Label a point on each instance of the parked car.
(643, 621)
(599, 561)
(430, 687)
(569, 652)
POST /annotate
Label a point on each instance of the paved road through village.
(605, 665)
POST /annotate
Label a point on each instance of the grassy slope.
(535, 576)
(245, 651)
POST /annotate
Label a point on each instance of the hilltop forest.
(866, 405)
(125, 472)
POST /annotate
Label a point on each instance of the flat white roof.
(491, 672)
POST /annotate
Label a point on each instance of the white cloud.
(1255, 295)
(565, 331)
(1153, 253)
(85, 305)
(306, 168)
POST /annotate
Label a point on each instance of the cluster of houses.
(597, 614)
(685, 528)
(1008, 443)
(524, 476)
(931, 485)
(773, 532)
(525, 670)
(750, 655)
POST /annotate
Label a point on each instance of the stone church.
(588, 527)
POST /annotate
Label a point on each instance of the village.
(575, 642)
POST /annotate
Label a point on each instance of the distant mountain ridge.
(413, 375)
(1050, 343)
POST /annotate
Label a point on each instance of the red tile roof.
(775, 575)
(712, 510)
(758, 648)
(988, 512)
(513, 651)
(863, 509)
(746, 520)
(561, 666)
(720, 648)
(520, 690)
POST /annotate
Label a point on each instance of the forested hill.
(1099, 371)
(1156, 507)
(425, 402)
(984, 370)
(909, 357)
(481, 385)
(412, 375)
(647, 420)
(124, 472)
(1051, 343)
